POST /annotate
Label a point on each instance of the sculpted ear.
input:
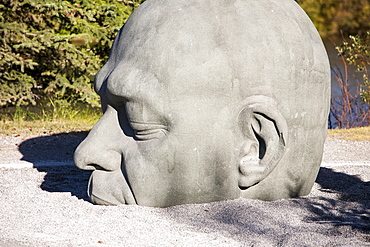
(265, 131)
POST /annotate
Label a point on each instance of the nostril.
(94, 167)
(111, 163)
(90, 159)
(96, 153)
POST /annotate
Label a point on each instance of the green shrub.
(356, 51)
(51, 49)
(351, 109)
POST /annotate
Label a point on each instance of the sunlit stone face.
(172, 147)
(174, 134)
(195, 103)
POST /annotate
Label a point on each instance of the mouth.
(109, 188)
(98, 201)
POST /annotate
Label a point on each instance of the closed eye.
(149, 131)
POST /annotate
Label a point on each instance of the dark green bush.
(331, 17)
(53, 48)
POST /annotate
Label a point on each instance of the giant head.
(209, 100)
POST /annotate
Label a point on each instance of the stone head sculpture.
(209, 100)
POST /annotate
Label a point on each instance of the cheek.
(182, 169)
(157, 154)
(149, 163)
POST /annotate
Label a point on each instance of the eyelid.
(149, 131)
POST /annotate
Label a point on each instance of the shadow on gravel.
(54, 155)
(352, 208)
(349, 211)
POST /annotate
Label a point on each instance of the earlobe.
(265, 131)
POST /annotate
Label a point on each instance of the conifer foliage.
(53, 48)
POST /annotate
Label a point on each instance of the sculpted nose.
(94, 155)
(100, 150)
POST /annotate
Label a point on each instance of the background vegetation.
(332, 17)
(348, 20)
(356, 51)
(50, 51)
(352, 109)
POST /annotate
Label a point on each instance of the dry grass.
(35, 122)
(29, 122)
(38, 128)
(354, 134)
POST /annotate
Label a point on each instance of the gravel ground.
(44, 203)
(344, 152)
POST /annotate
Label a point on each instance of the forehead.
(205, 49)
(180, 62)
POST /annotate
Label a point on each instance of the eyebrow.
(129, 81)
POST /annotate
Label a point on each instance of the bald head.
(229, 46)
(212, 100)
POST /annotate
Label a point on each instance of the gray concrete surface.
(47, 206)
